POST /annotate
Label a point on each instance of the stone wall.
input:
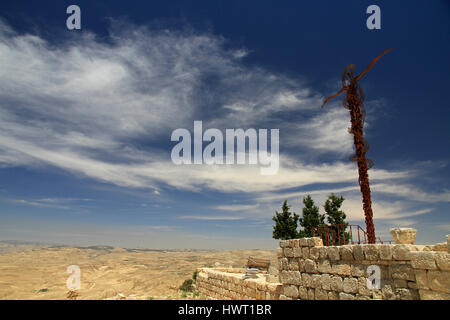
(310, 271)
(228, 284)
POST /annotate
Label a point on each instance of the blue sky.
(86, 118)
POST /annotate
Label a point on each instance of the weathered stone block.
(290, 277)
(358, 270)
(306, 280)
(336, 283)
(439, 280)
(402, 251)
(311, 294)
(303, 242)
(346, 253)
(346, 296)
(387, 293)
(310, 266)
(324, 266)
(314, 253)
(303, 293)
(400, 283)
(333, 295)
(443, 261)
(298, 252)
(284, 243)
(293, 265)
(423, 260)
(301, 265)
(333, 253)
(288, 252)
(407, 294)
(305, 252)
(325, 281)
(279, 252)
(372, 252)
(401, 271)
(362, 287)
(315, 281)
(341, 269)
(315, 242)
(386, 252)
(320, 294)
(323, 253)
(350, 285)
(433, 295)
(358, 252)
(290, 291)
(283, 263)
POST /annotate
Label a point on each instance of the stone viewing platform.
(307, 270)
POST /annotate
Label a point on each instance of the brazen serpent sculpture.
(354, 103)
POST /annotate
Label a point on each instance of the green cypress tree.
(311, 217)
(335, 216)
(285, 223)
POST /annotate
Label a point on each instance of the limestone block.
(407, 294)
(290, 277)
(294, 243)
(402, 251)
(315, 242)
(303, 242)
(290, 291)
(440, 247)
(443, 261)
(371, 252)
(346, 253)
(311, 294)
(400, 283)
(386, 252)
(350, 285)
(305, 252)
(324, 266)
(358, 252)
(323, 254)
(284, 243)
(362, 287)
(298, 252)
(315, 281)
(293, 265)
(346, 296)
(283, 297)
(288, 252)
(333, 295)
(325, 281)
(336, 283)
(283, 263)
(303, 293)
(423, 260)
(310, 266)
(439, 280)
(401, 271)
(387, 293)
(320, 294)
(306, 280)
(314, 253)
(358, 270)
(333, 253)
(341, 269)
(301, 265)
(433, 295)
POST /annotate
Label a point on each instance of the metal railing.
(340, 234)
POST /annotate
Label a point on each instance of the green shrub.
(187, 285)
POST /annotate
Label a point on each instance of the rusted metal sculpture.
(354, 103)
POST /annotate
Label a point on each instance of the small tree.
(285, 224)
(311, 217)
(335, 216)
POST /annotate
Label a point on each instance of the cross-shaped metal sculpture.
(354, 103)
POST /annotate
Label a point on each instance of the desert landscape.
(38, 272)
